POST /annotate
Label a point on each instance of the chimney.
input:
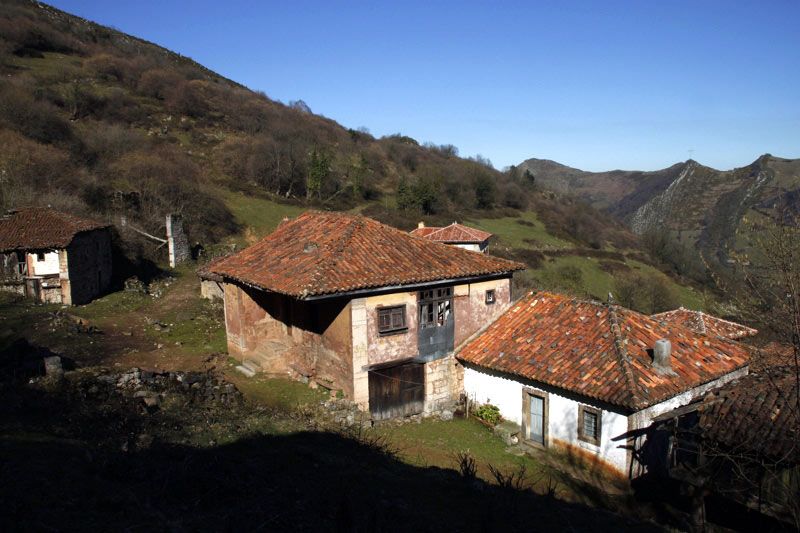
(662, 356)
(420, 224)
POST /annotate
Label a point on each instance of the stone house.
(54, 257)
(738, 442)
(455, 234)
(361, 307)
(589, 376)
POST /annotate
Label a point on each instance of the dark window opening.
(589, 424)
(490, 297)
(40, 256)
(392, 319)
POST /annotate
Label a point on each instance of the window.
(40, 257)
(392, 319)
(435, 307)
(589, 422)
(490, 299)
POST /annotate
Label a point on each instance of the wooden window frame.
(388, 311)
(491, 296)
(527, 392)
(582, 409)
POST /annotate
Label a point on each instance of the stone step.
(246, 371)
(252, 365)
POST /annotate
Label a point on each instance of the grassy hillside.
(98, 122)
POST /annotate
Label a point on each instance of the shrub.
(488, 413)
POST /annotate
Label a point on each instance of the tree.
(485, 191)
(319, 167)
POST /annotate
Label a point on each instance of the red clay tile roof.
(39, 228)
(455, 233)
(754, 415)
(328, 253)
(599, 351)
(703, 323)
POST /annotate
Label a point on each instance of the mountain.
(698, 205)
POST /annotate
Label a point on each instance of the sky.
(595, 85)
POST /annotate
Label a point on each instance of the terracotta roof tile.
(38, 228)
(455, 233)
(703, 323)
(754, 414)
(599, 351)
(327, 253)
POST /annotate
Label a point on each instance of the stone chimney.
(662, 356)
(420, 224)
(177, 242)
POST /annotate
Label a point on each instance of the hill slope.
(699, 205)
(101, 123)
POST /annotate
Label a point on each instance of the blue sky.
(595, 85)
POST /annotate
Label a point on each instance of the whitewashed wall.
(473, 247)
(562, 421)
(46, 267)
(562, 416)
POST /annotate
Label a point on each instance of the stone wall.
(288, 336)
(211, 290)
(444, 383)
(472, 312)
(177, 242)
(86, 267)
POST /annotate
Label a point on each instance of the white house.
(455, 234)
(588, 376)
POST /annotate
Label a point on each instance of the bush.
(488, 413)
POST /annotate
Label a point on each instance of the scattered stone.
(446, 415)
(53, 367)
(134, 284)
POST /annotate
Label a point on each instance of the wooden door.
(397, 391)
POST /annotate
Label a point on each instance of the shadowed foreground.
(63, 467)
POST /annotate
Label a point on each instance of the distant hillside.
(698, 205)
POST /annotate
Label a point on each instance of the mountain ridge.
(699, 205)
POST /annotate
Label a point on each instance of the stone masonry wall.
(444, 383)
(87, 265)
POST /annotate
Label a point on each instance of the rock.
(446, 415)
(53, 367)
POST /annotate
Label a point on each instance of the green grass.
(113, 304)
(277, 393)
(511, 233)
(260, 215)
(597, 283)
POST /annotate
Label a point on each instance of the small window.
(392, 319)
(589, 422)
(490, 297)
(40, 257)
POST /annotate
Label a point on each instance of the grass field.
(531, 233)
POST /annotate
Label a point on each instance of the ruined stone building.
(54, 257)
(361, 307)
(455, 234)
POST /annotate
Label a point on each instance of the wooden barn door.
(397, 391)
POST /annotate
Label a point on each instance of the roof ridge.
(623, 358)
(337, 247)
(700, 316)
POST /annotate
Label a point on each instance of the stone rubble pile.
(195, 387)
